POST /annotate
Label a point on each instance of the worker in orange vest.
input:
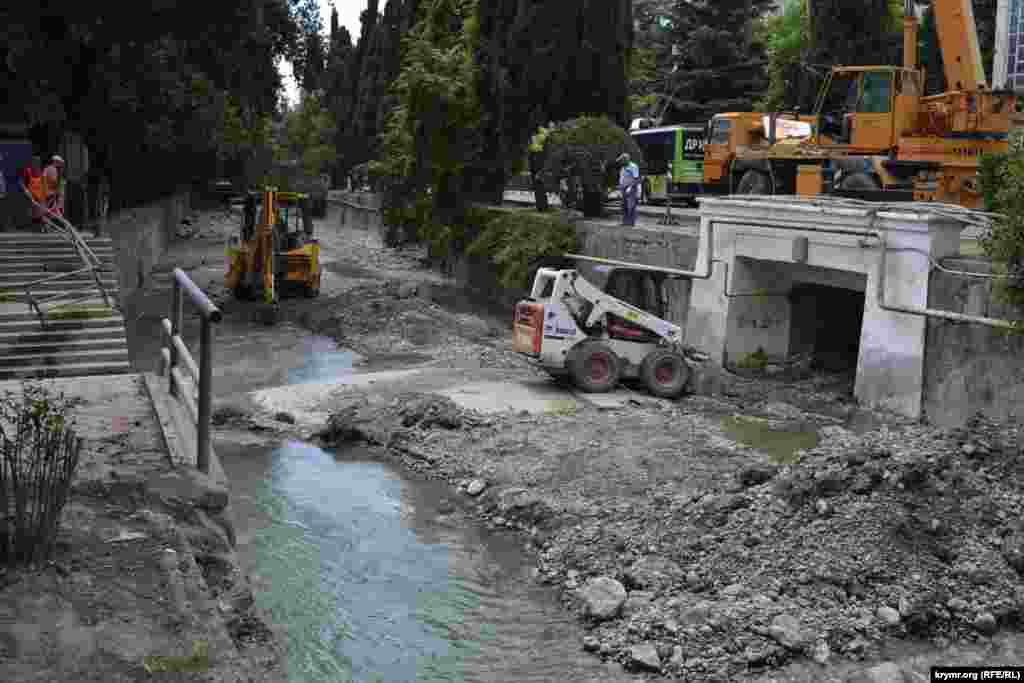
(54, 181)
(33, 181)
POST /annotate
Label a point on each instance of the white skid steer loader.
(573, 328)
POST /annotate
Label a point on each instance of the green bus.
(673, 161)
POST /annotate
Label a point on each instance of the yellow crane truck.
(874, 134)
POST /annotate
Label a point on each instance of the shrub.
(584, 150)
(1002, 186)
(520, 242)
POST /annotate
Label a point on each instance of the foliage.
(310, 132)
(1002, 184)
(787, 37)
(584, 149)
(434, 133)
(148, 85)
(856, 33)
(519, 242)
(721, 63)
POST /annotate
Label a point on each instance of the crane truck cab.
(875, 135)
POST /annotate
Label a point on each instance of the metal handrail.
(175, 353)
(55, 223)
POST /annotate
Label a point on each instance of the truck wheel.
(594, 368)
(754, 182)
(858, 181)
(664, 373)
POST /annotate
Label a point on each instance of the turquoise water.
(378, 578)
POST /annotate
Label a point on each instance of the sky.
(348, 16)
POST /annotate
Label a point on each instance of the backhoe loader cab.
(275, 249)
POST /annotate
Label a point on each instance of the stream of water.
(379, 577)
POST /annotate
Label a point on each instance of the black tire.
(594, 368)
(665, 373)
(754, 182)
(859, 182)
(243, 293)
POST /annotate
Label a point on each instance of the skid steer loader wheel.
(665, 373)
(594, 368)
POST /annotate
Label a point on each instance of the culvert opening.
(826, 324)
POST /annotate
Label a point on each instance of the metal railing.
(174, 355)
(55, 223)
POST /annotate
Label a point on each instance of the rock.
(822, 507)
(285, 417)
(821, 652)
(476, 487)
(407, 290)
(645, 656)
(986, 623)
(603, 598)
(957, 604)
(651, 572)
(786, 630)
(636, 601)
(732, 590)
(888, 615)
(678, 657)
(969, 449)
(886, 672)
(693, 579)
(756, 474)
(591, 644)
(782, 411)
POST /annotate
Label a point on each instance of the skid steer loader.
(571, 327)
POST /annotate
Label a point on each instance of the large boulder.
(602, 598)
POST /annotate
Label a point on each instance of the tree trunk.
(540, 192)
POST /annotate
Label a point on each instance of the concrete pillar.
(707, 321)
(757, 322)
(890, 367)
(1001, 52)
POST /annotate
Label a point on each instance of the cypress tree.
(721, 66)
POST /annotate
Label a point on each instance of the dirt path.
(693, 537)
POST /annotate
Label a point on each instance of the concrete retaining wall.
(971, 368)
(141, 236)
(675, 248)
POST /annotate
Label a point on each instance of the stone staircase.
(84, 338)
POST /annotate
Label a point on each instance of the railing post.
(205, 380)
(176, 303)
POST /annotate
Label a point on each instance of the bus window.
(720, 129)
(658, 152)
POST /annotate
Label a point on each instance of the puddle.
(781, 445)
(324, 361)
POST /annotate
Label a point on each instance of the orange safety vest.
(37, 187)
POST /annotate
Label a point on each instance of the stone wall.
(971, 368)
(141, 236)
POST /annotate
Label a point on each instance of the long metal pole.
(205, 381)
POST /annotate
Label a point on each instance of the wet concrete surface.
(378, 576)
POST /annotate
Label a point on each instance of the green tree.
(720, 63)
(787, 41)
(309, 135)
(582, 152)
(855, 32)
(433, 135)
(545, 60)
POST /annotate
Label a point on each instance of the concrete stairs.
(78, 340)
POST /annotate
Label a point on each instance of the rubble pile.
(907, 533)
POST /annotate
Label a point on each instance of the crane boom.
(958, 40)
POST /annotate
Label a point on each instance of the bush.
(584, 150)
(520, 242)
(1002, 186)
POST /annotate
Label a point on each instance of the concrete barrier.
(141, 236)
(971, 368)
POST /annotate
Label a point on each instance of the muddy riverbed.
(771, 532)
